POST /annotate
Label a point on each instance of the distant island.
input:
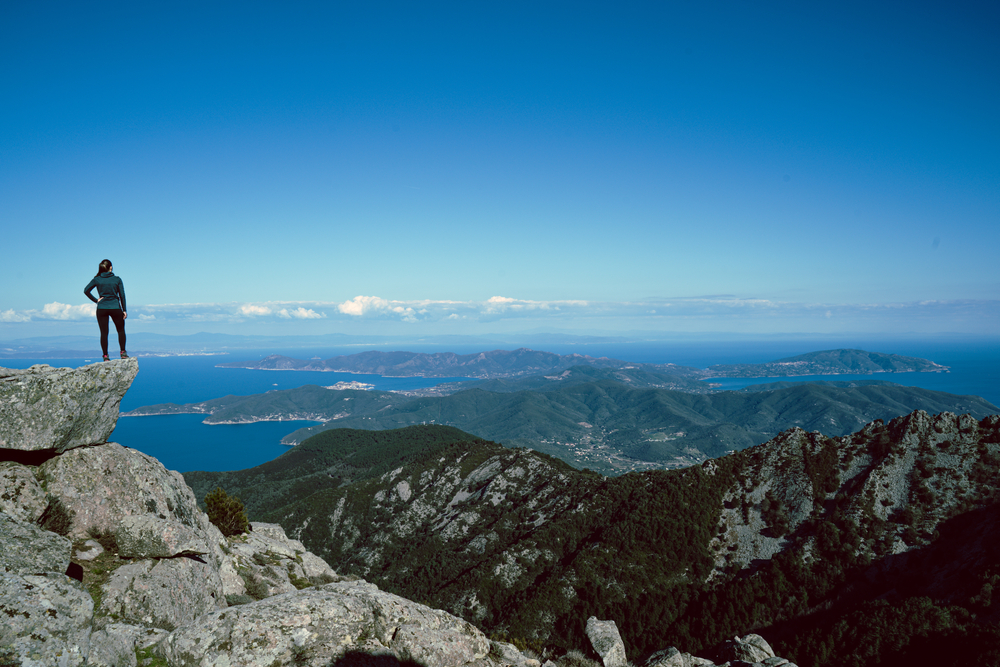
(829, 362)
(523, 362)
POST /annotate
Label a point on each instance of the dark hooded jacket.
(110, 290)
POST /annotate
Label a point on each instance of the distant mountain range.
(521, 362)
(607, 420)
(882, 544)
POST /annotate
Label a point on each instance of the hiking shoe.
(124, 355)
(106, 358)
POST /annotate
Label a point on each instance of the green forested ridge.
(523, 545)
(326, 461)
(602, 424)
(828, 362)
(605, 418)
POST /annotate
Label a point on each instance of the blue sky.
(471, 167)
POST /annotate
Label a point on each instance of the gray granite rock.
(46, 619)
(115, 645)
(27, 549)
(151, 537)
(162, 593)
(21, 496)
(90, 550)
(45, 408)
(316, 625)
(606, 640)
(103, 484)
(315, 568)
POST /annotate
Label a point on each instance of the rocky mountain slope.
(805, 536)
(107, 560)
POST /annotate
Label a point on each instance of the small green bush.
(226, 512)
(56, 518)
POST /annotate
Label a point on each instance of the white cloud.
(300, 313)
(143, 317)
(11, 315)
(253, 310)
(363, 305)
(64, 311)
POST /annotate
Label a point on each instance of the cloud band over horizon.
(972, 316)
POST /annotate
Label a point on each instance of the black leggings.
(102, 321)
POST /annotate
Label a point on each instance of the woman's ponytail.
(104, 266)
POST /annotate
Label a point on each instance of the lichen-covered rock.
(27, 549)
(150, 537)
(21, 496)
(45, 408)
(46, 619)
(162, 593)
(103, 484)
(316, 625)
(607, 641)
(115, 645)
(269, 563)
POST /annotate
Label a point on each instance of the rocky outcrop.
(45, 408)
(152, 537)
(606, 640)
(102, 484)
(318, 625)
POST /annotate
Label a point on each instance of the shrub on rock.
(226, 512)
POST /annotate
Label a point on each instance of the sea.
(184, 443)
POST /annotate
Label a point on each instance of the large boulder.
(103, 484)
(150, 537)
(607, 641)
(21, 496)
(315, 626)
(162, 593)
(46, 619)
(27, 549)
(44, 408)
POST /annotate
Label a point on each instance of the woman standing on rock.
(111, 303)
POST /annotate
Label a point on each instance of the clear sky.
(469, 167)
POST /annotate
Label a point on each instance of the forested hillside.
(601, 424)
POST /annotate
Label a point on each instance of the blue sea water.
(183, 443)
